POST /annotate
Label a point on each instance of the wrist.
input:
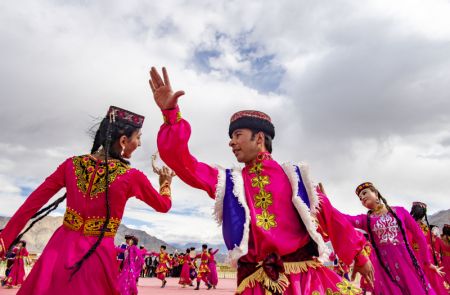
(362, 257)
(171, 116)
(165, 190)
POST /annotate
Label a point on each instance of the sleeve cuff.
(362, 257)
(172, 116)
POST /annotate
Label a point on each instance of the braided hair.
(402, 230)
(419, 212)
(35, 219)
(107, 134)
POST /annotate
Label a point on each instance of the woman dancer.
(445, 253)
(212, 264)
(185, 278)
(419, 213)
(397, 271)
(17, 274)
(80, 256)
(132, 266)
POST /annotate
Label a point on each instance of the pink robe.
(388, 238)
(445, 254)
(17, 274)
(436, 281)
(185, 276)
(287, 234)
(82, 177)
(212, 277)
(131, 270)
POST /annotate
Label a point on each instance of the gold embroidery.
(90, 174)
(91, 226)
(260, 181)
(347, 288)
(72, 219)
(266, 220)
(263, 199)
(279, 286)
(257, 168)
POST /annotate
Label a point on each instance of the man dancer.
(203, 270)
(271, 214)
(162, 269)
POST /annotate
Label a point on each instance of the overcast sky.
(357, 89)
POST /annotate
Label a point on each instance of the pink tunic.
(394, 254)
(445, 254)
(436, 281)
(131, 270)
(212, 277)
(17, 274)
(282, 231)
(83, 178)
(185, 278)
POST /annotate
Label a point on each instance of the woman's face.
(130, 144)
(369, 198)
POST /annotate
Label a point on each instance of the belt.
(91, 226)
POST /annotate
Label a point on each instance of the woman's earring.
(121, 152)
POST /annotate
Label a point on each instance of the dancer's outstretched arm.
(174, 135)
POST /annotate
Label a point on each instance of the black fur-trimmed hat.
(254, 120)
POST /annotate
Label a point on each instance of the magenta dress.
(283, 232)
(83, 178)
(17, 274)
(445, 256)
(212, 277)
(388, 238)
(131, 270)
(185, 277)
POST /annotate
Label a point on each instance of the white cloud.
(358, 90)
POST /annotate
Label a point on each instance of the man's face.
(244, 147)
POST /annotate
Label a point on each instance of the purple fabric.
(302, 193)
(233, 215)
(130, 272)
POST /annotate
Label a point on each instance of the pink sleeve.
(141, 188)
(214, 252)
(347, 242)
(33, 203)
(173, 148)
(412, 226)
(357, 221)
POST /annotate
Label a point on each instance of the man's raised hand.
(162, 90)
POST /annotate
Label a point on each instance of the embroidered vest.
(232, 211)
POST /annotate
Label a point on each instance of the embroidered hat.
(254, 120)
(116, 113)
(362, 186)
(420, 204)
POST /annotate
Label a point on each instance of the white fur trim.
(305, 213)
(220, 194)
(238, 190)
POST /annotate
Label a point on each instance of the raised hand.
(165, 176)
(162, 91)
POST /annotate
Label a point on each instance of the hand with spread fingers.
(162, 90)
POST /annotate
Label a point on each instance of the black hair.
(204, 246)
(163, 247)
(192, 248)
(37, 217)
(106, 136)
(446, 231)
(418, 212)
(210, 249)
(141, 247)
(188, 250)
(24, 243)
(410, 252)
(267, 139)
